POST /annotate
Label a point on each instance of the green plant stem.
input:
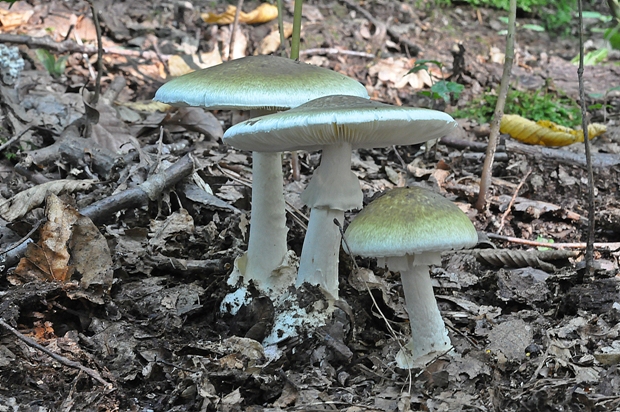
(296, 30)
(586, 142)
(487, 169)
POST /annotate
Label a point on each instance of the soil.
(131, 304)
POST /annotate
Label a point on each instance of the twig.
(281, 28)
(91, 71)
(512, 201)
(69, 46)
(233, 30)
(487, 169)
(72, 364)
(586, 142)
(142, 194)
(14, 138)
(333, 50)
(99, 53)
(601, 245)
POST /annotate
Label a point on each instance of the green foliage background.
(555, 14)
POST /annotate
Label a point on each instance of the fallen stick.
(601, 245)
(67, 362)
(68, 46)
(140, 195)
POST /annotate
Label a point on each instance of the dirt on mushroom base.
(173, 353)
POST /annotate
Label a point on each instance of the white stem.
(333, 184)
(319, 256)
(267, 244)
(429, 334)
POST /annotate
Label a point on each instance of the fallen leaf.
(49, 258)
(179, 65)
(395, 71)
(196, 119)
(17, 15)
(545, 132)
(271, 42)
(262, 14)
(23, 202)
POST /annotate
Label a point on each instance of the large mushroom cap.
(256, 83)
(408, 221)
(335, 119)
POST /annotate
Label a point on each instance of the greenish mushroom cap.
(257, 83)
(339, 119)
(407, 221)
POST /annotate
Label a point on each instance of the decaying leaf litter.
(145, 318)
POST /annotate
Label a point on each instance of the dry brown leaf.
(49, 258)
(67, 237)
(545, 132)
(196, 119)
(271, 42)
(17, 15)
(183, 64)
(176, 223)
(23, 202)
(262, 14)
(90, 256)
(394, 71)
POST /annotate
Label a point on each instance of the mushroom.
(261, 84)
(406, 230)
(335, 125)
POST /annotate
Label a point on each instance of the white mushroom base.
(319, 258)
(429, 337)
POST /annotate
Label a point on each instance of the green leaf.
(533, 27)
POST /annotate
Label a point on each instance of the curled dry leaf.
(23, 202)
(262, 14)
(69, 243)
(545, 132)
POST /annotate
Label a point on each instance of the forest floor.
(130, 304)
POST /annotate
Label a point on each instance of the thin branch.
(295, 39)
(612, 246)
(72, 364)
(69, 46)
(512, 201)
(333, 50)
(487, 169)
(281, 28)
(233, 31)
(99, 52)
(586, 142)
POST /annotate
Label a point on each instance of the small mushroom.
(406, 230)
(335, 125)
(261, 84)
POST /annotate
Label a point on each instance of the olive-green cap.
(257, 83)
(336, 119)
(407, 221)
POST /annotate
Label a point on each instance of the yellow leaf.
(262, 14)
(545, 132)
(148, 106)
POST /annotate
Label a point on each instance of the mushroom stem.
(319, 256)
(428, 330)
(267, 243)
(332, 190)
